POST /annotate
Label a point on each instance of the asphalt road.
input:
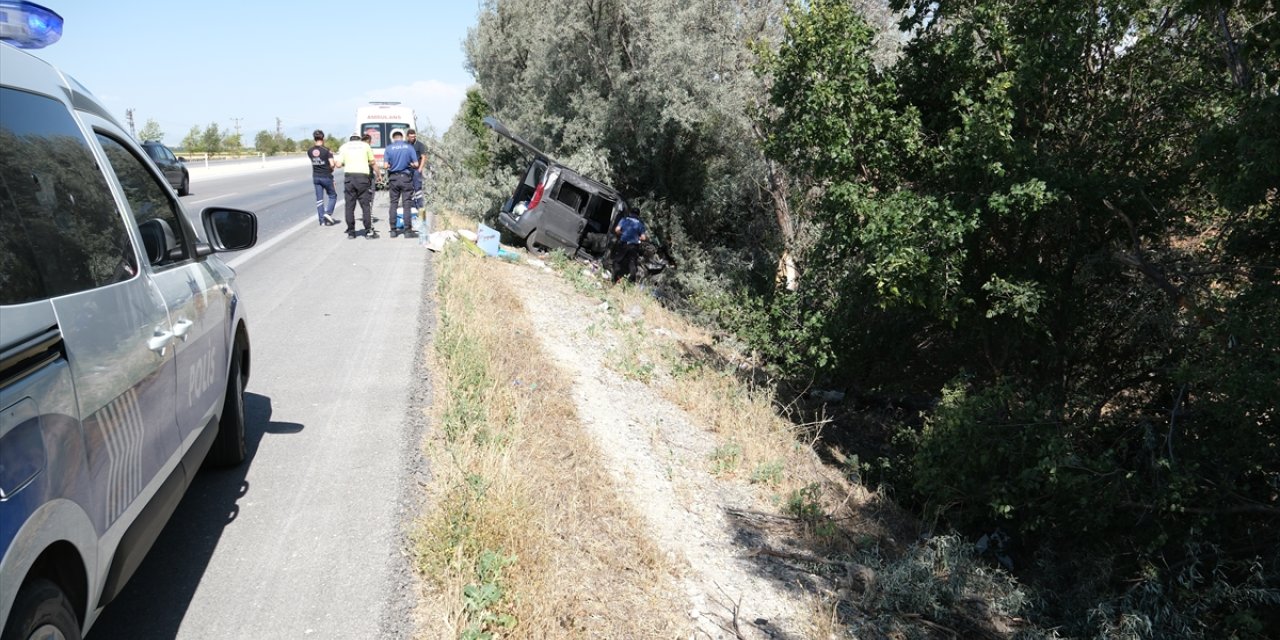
(307, 537)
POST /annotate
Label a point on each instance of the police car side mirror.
(230, 229)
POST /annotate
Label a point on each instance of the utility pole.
(128, 114)
(279, 129)
(237, 125)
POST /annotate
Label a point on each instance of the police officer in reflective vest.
(356, 159)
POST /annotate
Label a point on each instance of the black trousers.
(625, 257)
(358, 188)
(401, 187)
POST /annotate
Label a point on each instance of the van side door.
(561, 221)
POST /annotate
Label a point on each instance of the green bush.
(937, 582)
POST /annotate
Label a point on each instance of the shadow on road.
(155, 601)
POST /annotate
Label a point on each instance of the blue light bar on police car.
(28, 25)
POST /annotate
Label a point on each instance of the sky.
(193, 62)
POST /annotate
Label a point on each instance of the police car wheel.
(41, 611)
(228, 447)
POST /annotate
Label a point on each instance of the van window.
(598, 214)
(570, 195)
(60, 229)
(532, 178)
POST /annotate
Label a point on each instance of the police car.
(124, 349)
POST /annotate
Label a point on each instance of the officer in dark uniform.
(402, 163)
(631, 232)
(419, 175)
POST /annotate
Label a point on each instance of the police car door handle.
(181, 327)
(160, 341)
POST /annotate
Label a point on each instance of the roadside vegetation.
(214, 141)
(525, 538)
(524, 523)
(1010, 264)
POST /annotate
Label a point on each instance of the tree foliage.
(479, 156)
(191, 142)
(1050, 224)
(272, 143)
(211, 139)
(150, 131)
(651, 97)
(1047, 214)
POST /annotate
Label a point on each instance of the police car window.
(60, 229)
(156, 213)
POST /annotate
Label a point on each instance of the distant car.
(555, 207)
(124, 346)
(173, 167)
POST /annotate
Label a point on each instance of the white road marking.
(276, 184)
(225, 195)
(239, 260)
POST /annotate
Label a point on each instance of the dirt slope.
(659, 460)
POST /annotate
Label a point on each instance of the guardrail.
(205, 158)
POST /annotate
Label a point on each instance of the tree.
(151, 131)
(266, 143)
(191, 143)
(651, 97)
(211, 139)
(473, 111)
(1019, 220)
(231, 142)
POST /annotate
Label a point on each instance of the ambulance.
(379, 120)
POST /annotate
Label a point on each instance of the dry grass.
(526, 537)
(721, 390)
(892, 579)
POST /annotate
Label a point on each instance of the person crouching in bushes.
(631, 232)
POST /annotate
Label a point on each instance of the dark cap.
(317, 135)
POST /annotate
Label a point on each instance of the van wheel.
(531, 242)
(228, 446)
(42, 611)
